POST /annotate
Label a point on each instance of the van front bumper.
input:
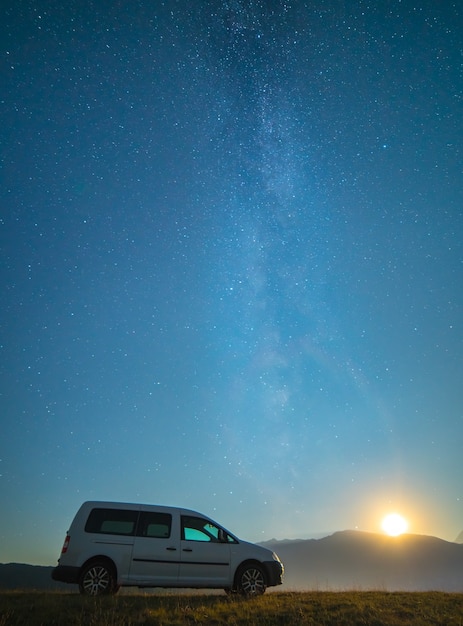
(66, 574)
(275, 572)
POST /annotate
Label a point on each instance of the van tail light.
(66, 544)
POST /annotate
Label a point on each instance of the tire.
(251, 580)
(97, 579)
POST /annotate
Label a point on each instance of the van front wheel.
(97, 579)
(251, 580)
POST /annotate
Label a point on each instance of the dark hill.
(22, 576)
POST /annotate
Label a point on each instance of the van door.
(156, 549)
(205, 554)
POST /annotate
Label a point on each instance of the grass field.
(372, 608)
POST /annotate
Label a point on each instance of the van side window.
(199, 529)
(112, 522)
(155, 525)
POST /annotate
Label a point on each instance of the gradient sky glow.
(231, 264)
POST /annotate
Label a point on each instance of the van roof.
(140, 507)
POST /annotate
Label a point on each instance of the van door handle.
(171, 548)
(187, 550)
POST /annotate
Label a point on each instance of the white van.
(112, 544)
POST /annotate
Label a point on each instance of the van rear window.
(112, 522)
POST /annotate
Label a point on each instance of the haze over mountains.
(343, 561)
(360, 560)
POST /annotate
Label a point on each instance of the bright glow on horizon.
(394, 525)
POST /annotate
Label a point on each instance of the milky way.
(232, 264)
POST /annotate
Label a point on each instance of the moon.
(394, 524)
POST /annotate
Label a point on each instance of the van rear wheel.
(97, 579)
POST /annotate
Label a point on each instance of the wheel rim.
(97, 580)
(252, 582)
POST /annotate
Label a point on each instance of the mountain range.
(360, 560)
(346, 560)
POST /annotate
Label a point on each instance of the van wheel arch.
(98, 576)
(250, 579)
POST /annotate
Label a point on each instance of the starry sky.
(231, 264)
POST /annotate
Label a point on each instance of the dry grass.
(354, 608)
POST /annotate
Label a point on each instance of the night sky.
(231, 264)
